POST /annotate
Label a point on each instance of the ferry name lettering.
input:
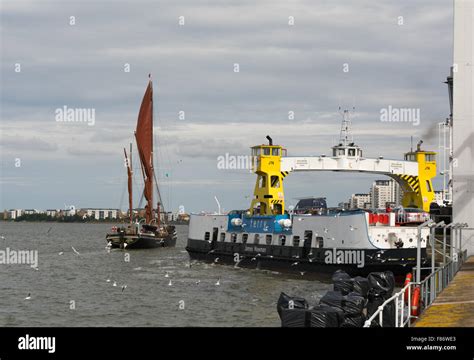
(254, 248)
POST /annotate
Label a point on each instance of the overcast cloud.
(282, 68)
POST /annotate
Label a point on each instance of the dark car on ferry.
(312, 205)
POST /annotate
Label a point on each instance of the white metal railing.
(402, 312)
(437, 281)
(432, 284)
(430, 287)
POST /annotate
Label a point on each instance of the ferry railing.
(433, 284)
(430, 287)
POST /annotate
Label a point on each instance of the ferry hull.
(399, 261)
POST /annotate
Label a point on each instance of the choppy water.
(245, 297)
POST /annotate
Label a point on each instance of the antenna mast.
(345, 137)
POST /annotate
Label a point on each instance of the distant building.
(384, 192)
(70, 210)
(31, 211)
(183, 217)
(438, 199)
(344, 205)
(15, 213)
(100, 214)
(167, 216)
(359, 201)
(52, 212)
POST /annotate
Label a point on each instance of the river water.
(163, 288)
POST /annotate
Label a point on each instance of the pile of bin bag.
(351, 302)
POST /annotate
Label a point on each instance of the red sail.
(144, 137)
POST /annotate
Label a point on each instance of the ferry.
(268, 236)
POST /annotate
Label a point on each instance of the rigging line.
(161, 145)
(170, 188)
(163, 183)
(158, 140)
(140, 203)
(123, 194)
(158, 192)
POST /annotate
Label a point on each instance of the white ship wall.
(463, 121)
(342, 232)
(200, 224)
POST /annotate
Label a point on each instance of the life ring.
(415, 302)
(407, 281)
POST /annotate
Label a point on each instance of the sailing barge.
(149, 232)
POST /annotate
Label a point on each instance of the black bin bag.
(294, 318)
(353, 304)
(361, 286)
(381, 283)
(388, 312)
(322, 316)
(342, 282)
(284, 303)
(334, 299)
(356, 321)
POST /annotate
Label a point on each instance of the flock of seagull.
(170, 282)
(124, 286)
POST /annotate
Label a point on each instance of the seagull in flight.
(218, 282)
(124, 287)
(28, 297)
(77, 252)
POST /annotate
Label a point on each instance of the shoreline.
(83, 222)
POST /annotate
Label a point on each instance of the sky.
(307, 58)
